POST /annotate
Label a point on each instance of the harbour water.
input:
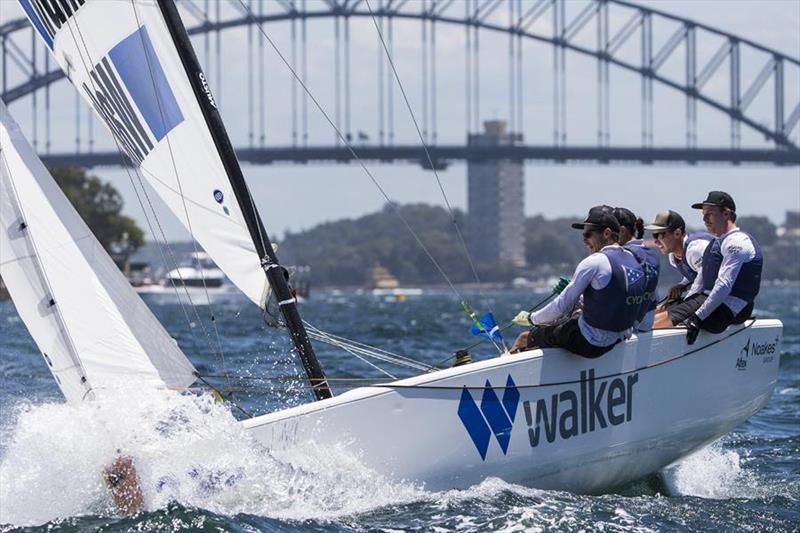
(199, 470)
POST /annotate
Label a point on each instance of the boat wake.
(186, 449)
(190, 451)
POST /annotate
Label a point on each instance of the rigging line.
(352, 151)
(353, 379)
(424, 145)
(141, 203)
(363, 360)
(408, 360)
(356, 349)
(83, 48)
(218, 391)
(183, 198)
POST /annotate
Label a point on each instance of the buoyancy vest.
(616, 306)
(748, 281)
(683, 267)
(650, 259)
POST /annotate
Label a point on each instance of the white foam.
(186, 449)
(711, 472)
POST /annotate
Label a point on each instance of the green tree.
(759, 227)
(100, 206)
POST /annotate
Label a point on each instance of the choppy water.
(200, 471)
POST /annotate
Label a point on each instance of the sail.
(91, 327)
(121, 58)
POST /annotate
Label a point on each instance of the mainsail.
(133, 63)
(93, 330)
(121, 58)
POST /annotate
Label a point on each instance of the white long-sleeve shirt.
(594, 270)
(737, 249)
(694, 258)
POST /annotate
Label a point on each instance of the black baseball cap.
(599, 217)
(666, 220)
(719, 199)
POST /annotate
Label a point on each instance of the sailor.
(631, 231)
(612, 284)
(685, 252)
(731, 274)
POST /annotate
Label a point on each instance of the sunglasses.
(657, 236)
(589, 232)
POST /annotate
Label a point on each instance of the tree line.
(344, 252)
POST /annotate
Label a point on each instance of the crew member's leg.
(744, 314)
(683, 310)
(565, 334)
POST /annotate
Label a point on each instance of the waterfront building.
(495, 200)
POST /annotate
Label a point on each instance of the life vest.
(616, 306)
(681, 264)
(650, 259)
(748, 281)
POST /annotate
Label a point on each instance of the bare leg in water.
(123, 483)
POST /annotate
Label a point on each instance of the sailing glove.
(523, 318)
(692, 328)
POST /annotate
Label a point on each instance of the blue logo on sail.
(128, 80)
(492, 417)
(137, 64)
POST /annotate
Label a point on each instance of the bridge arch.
(562, 37)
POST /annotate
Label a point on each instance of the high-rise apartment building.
(495, 200)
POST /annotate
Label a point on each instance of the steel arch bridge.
(600, 30)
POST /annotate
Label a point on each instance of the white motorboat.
(541, 418)
(198, 280)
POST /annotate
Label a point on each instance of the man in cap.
(612, 284)
(732, 265)
(685, 252)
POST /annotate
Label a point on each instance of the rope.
(84, 48)
(352, 151)
(574, 381)
(425, 148)
(360, 349)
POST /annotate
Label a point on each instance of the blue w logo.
(493, 416)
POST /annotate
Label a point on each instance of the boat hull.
(547, 419)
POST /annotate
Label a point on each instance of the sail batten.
(93, 330)
(140, 75)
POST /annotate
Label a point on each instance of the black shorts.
(722, 317)
(680, 311)
(716, 322)
(565, 333)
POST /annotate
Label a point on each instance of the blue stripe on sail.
(138, 66)
(37, 22)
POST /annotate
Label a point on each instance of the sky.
(299, 197)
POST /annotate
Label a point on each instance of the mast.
(269, 261)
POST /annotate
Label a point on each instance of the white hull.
(160, 294)
(659, 400)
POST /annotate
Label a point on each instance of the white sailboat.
(543, 418)
(94, 332)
